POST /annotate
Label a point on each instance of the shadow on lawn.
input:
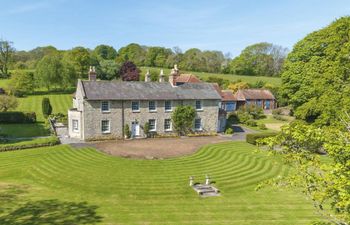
(15, 210)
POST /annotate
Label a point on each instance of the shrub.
(39, 142)
(279, 117)
(243, 117)
(146, 129)
(229, 131)
(232, 119)
(252, 138)
(60, 117)
(46, 107)
(251, 123)
(182, 118)
(255, 111)
(127, 132)
(17, 117)
(277, 111)
(262, 126)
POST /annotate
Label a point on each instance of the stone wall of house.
(75, 115)
(92, 116)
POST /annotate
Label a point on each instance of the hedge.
(251, 138)
(17, 117)
(38, 142)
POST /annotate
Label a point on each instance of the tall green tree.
(157, 56)
(6, 53)
(324, 182)
(80, 57)
(108, 70)
(315, 81)
(22, 82)
(49, 72)
(264, 59)
(132, 52)
(8, 102)
(105, 52)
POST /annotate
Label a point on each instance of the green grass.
(24, 130)
(61, 184)
(32, 103)
(276, 81)
(60, 103)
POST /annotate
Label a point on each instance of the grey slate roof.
(121, 90)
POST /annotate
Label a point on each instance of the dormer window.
(105, 106)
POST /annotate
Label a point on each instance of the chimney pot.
(92, 74)
(147, 76)
(161, 76)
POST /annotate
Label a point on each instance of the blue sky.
(228, 26)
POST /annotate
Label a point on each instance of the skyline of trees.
(192, 59)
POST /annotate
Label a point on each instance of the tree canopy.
(264, 59)
(315, 81)
(129, 72)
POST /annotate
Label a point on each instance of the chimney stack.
(92, 74)
(161, 76)
(174, 75)
(147, 76)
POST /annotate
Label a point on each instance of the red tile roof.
(188, 78)
(226, 95)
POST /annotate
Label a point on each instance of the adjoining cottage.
(260, 97)
(103, 108)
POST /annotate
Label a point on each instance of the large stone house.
(103, 108)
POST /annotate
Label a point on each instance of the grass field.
(32, 103)
(62, 185)
(276, 81)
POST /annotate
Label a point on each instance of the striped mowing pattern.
(156, 191)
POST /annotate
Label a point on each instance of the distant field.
(276, 81)
(64, 185)
(60, 103)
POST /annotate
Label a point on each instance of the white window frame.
(171, 125)
(109, 127)
(75, 129)
(201, 102)
(155, 125)
(155, 106)
(171, 106)
(201, 124)
(109, 106)
(138, 102)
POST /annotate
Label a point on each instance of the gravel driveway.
(157, 148)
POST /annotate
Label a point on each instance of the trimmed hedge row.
(17, 117)
(251, 138)
(35, 143)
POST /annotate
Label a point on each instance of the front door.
(135, 129)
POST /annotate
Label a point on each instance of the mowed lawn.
(276, 81)
(32, 103)
(63, 185)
